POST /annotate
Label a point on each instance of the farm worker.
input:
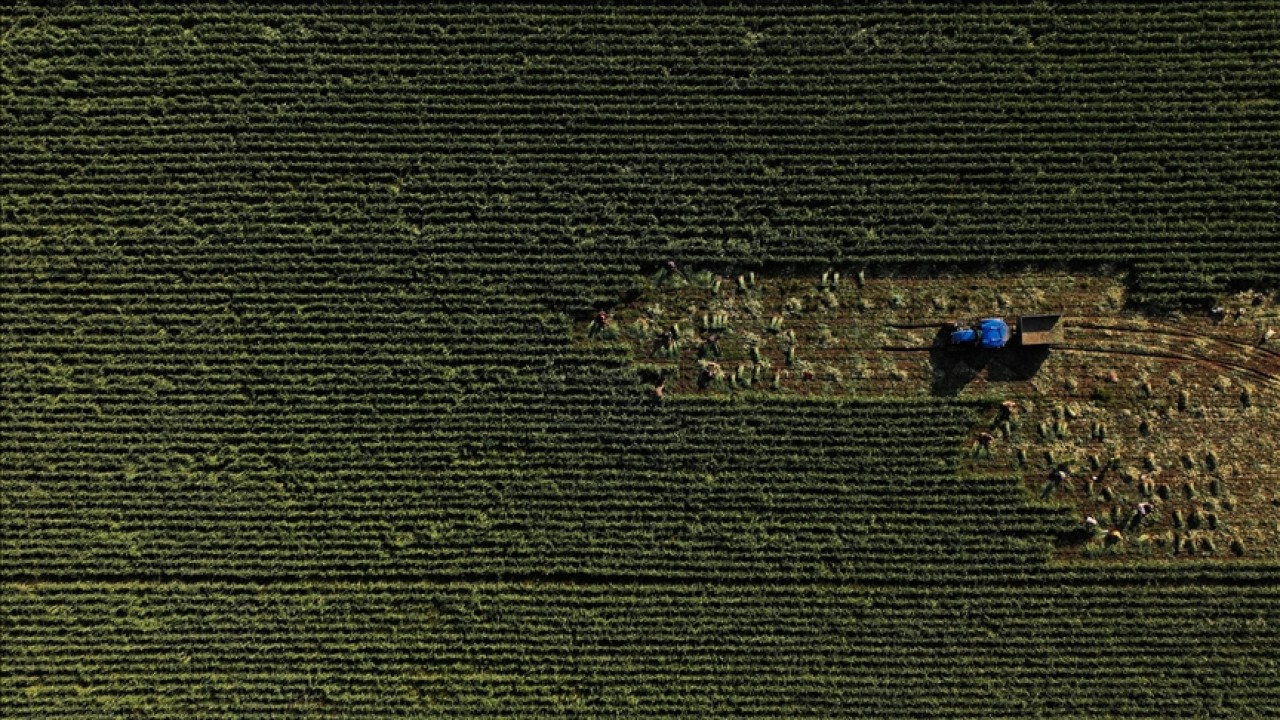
(670, 270)
(1010, 407)
(1058, 476)
(672, 334)
(1267, 335)
(1090, 521)
(657, 390)
(1146, 508)
(984, 445)
(711, 346)
(665, 341)
(598, 323)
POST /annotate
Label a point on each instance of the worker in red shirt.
(598, 324)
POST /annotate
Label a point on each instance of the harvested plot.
(1110, 411)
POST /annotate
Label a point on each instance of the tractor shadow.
(955, 367)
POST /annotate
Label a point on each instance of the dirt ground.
(1162, 430)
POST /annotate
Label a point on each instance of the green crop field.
(299, 416)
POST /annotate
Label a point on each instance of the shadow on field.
(955, 367)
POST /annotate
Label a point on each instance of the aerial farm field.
(430, 360)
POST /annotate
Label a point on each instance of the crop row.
(543, 140)
(697, 488)
(550, 650)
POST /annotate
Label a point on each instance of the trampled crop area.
(298, 417)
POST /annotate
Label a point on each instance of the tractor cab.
(995, 333)
(990, 334)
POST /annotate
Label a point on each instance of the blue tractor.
(991, 334)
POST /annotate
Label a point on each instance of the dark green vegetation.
(292, 422)
(693, 490)
(529, 650)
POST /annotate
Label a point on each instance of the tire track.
(1221, 364)
(1254, 360)
(1252, 347)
